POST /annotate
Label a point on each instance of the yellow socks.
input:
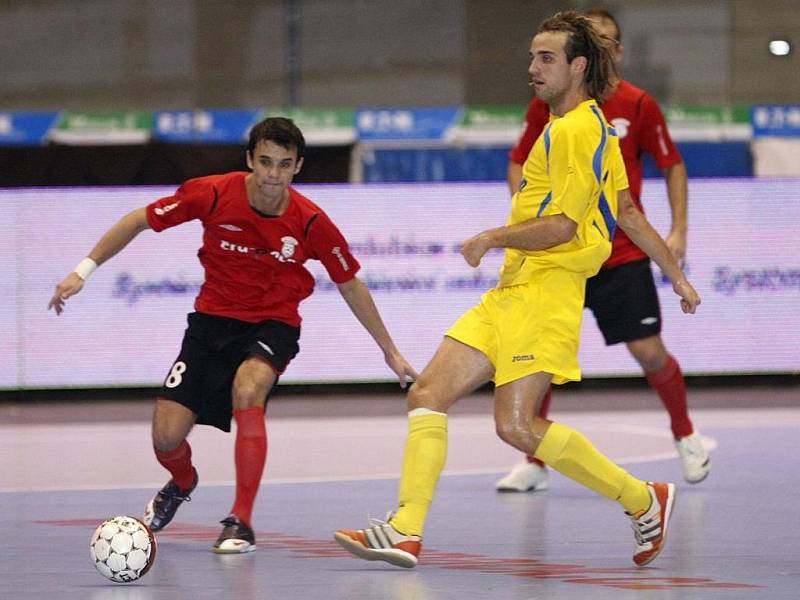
(423, 461)
(562, 448)
(571, 454)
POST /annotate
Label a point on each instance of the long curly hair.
(583, 39)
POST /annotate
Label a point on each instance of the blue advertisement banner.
(217, 126)
(26, 128)
(406, 123)
(778, 120)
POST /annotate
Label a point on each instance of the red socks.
(251, 455)
(179, 463)
(543, 410)
(671, 388)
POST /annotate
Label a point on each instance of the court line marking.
(645, 430)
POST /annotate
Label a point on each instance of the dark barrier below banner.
(703, 159)
(149, 164)
(711, 159)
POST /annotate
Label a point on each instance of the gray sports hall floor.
(333, 462)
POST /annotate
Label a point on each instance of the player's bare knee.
(416, 396)
(513, 434)
(650, 354)
(248, 396)
(420, 396)
(166, 439)
(652, 361)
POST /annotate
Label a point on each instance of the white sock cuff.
(424, 411)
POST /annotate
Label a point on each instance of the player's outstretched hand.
(69, 286)
(474, 248)
(689, 297)
(397, 363)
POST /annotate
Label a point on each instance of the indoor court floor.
(334, 461)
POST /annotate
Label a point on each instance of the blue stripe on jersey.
(597, 165)
(597, 161)
(549, 196)
(605, 210)
(547, 146)
(544, 204)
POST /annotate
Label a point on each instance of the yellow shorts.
(528, 328)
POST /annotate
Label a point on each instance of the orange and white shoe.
(381, 541)
(650, 526)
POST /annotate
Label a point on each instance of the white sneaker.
(525, 477)
(694, 457)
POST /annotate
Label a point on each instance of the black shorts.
(625, 302)
(201, 378)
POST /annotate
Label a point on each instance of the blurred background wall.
(151, 54)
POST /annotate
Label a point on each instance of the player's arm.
(513, 176)
(677, 192)
(112, 242)
(360, 301)
(643, 235)
(568, 185)
(538, 233)
(655, 139)
(536, 118)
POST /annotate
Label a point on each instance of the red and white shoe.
(650, 526)
(381, 541)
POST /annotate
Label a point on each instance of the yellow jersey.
(575, 168)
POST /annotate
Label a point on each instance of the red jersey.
(253, 262)
(641, 128)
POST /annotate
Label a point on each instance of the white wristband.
(85, 268)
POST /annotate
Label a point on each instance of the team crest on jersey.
(287, 250)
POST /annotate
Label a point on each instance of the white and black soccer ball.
(122, 549)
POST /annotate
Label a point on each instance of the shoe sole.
(398, 558)
(703, 478)
(237, 550)
(693, 481)
(665, 526)
(534, 488)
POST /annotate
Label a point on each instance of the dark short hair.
(602, 13)
(279, 130)
(583, 39)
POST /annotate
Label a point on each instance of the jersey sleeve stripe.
(597, 165)
(544, 204)
(547, 146)
(608, 217)
(597, 160)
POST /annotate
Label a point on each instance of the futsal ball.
(122, 549)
